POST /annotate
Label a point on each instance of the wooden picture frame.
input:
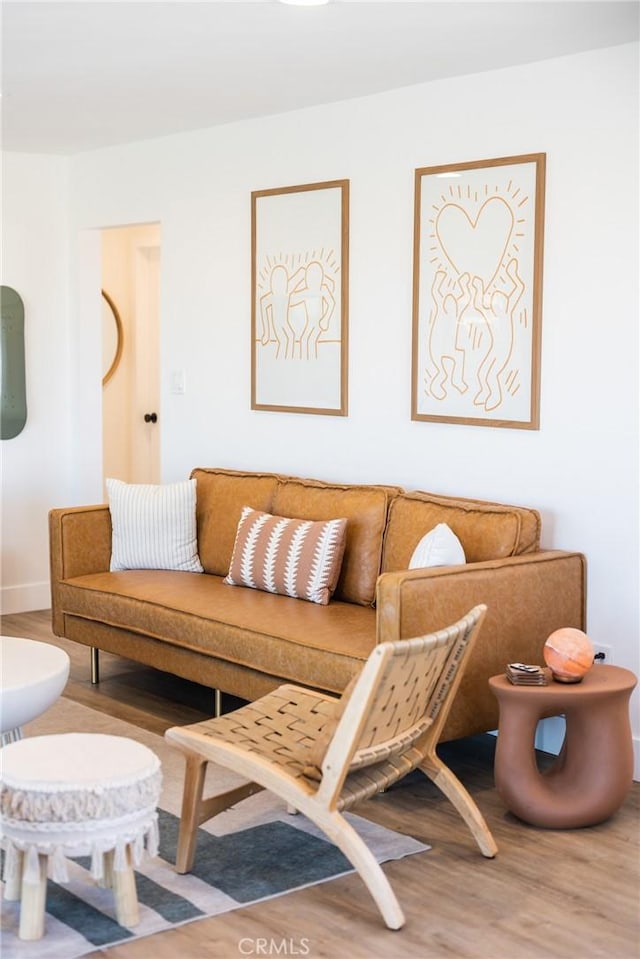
(477, 292)
(299, 298)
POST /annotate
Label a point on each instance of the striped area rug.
(252, 852)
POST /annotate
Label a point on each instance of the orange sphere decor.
(568, 653)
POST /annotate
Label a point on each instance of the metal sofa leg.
(95, 666)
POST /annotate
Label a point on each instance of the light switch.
(178, 382)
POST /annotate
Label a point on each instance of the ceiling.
(83, 75)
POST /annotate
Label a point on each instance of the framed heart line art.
(477, 292)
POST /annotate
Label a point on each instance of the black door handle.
(151, 417)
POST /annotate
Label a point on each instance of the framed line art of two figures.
(300, 274)
(478, 244)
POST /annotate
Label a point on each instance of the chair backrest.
(402, 696)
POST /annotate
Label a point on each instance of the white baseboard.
(550, 734)
(24, 599)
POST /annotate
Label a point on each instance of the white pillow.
(153, 527)
(439, 547)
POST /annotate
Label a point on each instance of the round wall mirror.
(111, 337)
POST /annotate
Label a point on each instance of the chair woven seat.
(322, 754)
(281, 725)
(285, 724)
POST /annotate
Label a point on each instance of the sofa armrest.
(79, 544)
(527, 598)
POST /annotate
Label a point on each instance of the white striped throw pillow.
(153, 527)
(293, 557)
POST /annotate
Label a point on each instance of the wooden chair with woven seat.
(322, 755)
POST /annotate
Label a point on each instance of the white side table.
(32, 676)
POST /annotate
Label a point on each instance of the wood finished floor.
(548, 895)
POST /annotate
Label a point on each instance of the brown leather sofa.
(246, 642)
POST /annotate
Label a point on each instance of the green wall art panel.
(13, 397)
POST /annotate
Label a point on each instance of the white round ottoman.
(76, 794)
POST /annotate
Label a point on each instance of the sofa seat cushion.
(365, 509)
(317, 646)
(486, 530)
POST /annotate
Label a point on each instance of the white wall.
(35, 463)
(580, 469)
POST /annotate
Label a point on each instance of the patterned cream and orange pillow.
(293, 557)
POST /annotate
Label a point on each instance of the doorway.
(130, 279)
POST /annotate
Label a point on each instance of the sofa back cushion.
(486, 530)
(365, 509)
(220, 497)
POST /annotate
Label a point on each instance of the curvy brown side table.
(592, 775)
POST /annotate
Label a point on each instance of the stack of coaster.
(522, 675)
